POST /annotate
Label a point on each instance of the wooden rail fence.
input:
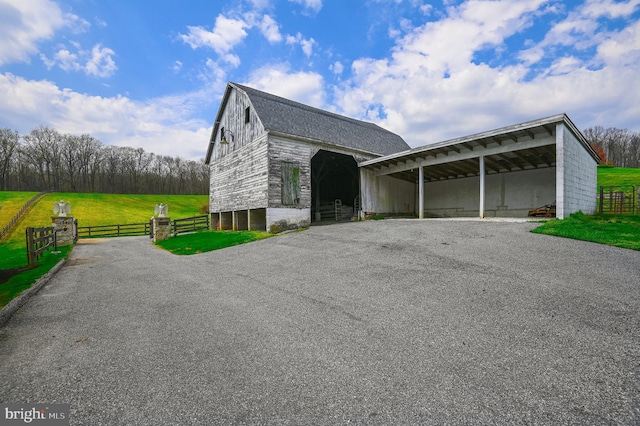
(179, 226)
(18, 215)
(117, 230)
(190, 224)
(38, 241)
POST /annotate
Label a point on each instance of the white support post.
(421, 192)
(481, 160)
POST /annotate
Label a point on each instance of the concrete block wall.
(506, 194)
(576, 175)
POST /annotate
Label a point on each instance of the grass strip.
(204, 241)
(613, 230)
(21, 281)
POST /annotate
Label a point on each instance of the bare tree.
(8, 147)
(46, 159)
(619, 147)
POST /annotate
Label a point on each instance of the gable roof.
(293, 119)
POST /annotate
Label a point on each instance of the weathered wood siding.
(238, 171)
(239, 179)
(289, 151)
(233, 119)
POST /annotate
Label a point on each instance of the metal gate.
(618, 199)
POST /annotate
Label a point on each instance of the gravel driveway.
(385, 322)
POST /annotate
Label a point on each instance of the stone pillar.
(161, 228)
(65, 229)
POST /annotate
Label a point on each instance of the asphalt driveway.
(386, 322)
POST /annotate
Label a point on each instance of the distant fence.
(118, 230)
(190, 224)
(18, 215)
(618, 200)
(179, 226)
(38, 241)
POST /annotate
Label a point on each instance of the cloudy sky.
(151, 73)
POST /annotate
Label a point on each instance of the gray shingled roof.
(292, 118)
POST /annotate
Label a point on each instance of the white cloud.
(305, 44)
(97, 62)
(260, 4)
(23, 24)
(337, 67)
(610, 8)
(304, 87)
(270, 29)
(313, 6)
(101, 63)
(164, 126)
(582, 29)
(565, 65)
(226, 34)
(475, 25)
(77, 24)
(622, 48)
(432, 88)
(66, 60)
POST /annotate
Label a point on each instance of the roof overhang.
(529, 145)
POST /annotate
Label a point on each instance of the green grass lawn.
(618, 176)
(89, 209)
(105, 209)
(10, 203)
(16, 284)
(614, 230)
(204, 241)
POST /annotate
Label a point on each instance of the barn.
(276, 164)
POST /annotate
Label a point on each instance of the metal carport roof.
(524, 146)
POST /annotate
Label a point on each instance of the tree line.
(618, 147)
(46, 159)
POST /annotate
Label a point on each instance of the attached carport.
(502, 172)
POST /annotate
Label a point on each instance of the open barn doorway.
(335, 186)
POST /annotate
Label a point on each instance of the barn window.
(247, 114)
(290, 183)
(221, 133)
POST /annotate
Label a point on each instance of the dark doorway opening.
(334, 177)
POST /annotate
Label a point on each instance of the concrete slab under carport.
(515, 169)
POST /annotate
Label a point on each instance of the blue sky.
(151, 73)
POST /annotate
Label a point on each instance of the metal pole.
(481, 160)
(421, 192)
